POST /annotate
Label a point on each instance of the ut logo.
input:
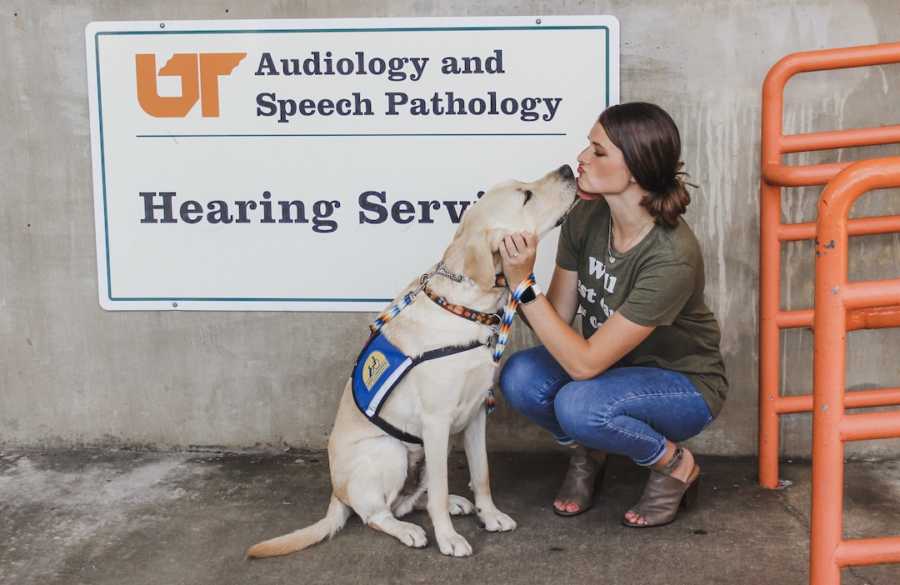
(199, 73)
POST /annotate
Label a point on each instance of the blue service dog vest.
(377, 371)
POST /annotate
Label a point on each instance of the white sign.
(321, 164)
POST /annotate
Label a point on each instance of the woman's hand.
(518, 252)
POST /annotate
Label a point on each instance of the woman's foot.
(586, 469)
(673, 482)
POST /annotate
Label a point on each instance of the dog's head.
(507, 208)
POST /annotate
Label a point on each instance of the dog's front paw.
(459, 506)
(454, 545)
(496, 521)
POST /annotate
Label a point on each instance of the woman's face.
(601, 167)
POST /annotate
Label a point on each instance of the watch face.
(528, 295)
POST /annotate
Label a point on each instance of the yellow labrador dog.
(375, 474)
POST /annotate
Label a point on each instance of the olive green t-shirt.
(658, 282)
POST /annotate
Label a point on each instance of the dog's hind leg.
(415, 500)
(459, 506)
(412, 535)
(375, 511)
(418, 500)
(373, 489)
(414, 488)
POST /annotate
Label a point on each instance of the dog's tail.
(333, 521)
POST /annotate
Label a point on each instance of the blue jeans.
(625, 410)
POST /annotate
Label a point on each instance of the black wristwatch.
(529, 295)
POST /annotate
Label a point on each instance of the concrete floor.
(117, 517)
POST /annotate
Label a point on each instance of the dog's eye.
(527, 196)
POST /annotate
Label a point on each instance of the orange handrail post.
(774, 176)
(835, 297)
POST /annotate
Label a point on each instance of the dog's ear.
(478, 261)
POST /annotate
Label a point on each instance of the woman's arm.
(581, 358)
(562, 294)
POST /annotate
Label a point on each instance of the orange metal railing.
(836, 300)
(773, 232)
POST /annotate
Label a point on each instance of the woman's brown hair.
(651, 145)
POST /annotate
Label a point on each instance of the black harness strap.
(394, 431)
(427, 356)
(445, 351)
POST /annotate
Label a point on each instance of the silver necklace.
(609, 255)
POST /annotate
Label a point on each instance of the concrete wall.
(73, 374)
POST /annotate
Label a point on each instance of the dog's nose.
(565, 172)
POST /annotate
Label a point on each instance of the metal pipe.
(833, 296)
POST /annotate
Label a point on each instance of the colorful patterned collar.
(494, 320)
(490, 319)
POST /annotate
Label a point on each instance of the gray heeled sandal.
(586, 471)
(664, 495)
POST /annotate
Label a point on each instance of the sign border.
(358, 29)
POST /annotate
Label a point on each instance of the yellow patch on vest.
(375, 366)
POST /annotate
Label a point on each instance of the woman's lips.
(582, 194)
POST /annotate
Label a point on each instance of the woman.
(647, 372)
